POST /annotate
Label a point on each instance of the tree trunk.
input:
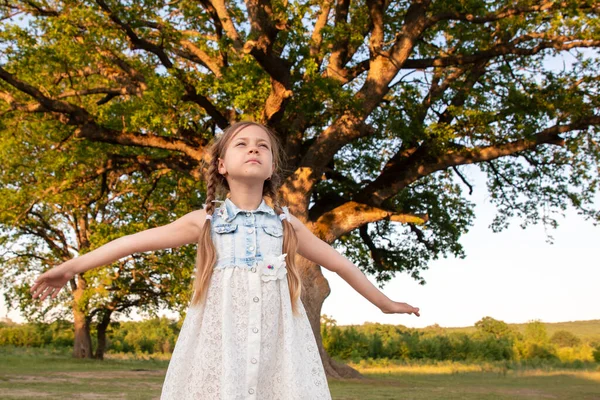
(83, 342)
(102, 335)
(315, 290)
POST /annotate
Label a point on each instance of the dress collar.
(228, 210)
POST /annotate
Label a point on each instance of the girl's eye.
(264, 145)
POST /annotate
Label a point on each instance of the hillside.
(582, 329)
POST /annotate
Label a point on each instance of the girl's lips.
(253, 161)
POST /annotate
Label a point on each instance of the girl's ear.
(221, 167)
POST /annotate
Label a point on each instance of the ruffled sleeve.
(286, 211)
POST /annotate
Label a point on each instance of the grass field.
(47, 374)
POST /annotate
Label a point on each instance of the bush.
(539, 352)
(596, 354)
(582, 353)
(21, 336)
(157, 335)
(564, 338)
(493, 341)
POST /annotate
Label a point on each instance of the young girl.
(246, 334)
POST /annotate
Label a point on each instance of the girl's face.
(248, 156)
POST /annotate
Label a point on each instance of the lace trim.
(241, 266)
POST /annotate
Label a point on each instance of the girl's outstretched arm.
(185, 230)
(319, 252)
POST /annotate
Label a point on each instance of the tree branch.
(317, 35)
(351, 215)
(86, 127)
(376, 11)
(406, 168)
(127, 90)
(35, 9)
(462, 178)
(383, 68)
(143, 44)
(339, 51)
(193, 53)
(377, 254)
(199, 56)
(506, 12)
(225, 20)
(265, 28)
(501, 49)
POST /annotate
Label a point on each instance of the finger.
(41, 293)
(39, 289)
(56, 293)
(48, 292)
(35, 285)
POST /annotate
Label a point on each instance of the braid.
(206, 253)
(211, 183)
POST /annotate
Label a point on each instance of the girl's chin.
(250, 175)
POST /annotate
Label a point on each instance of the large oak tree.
(379, 105)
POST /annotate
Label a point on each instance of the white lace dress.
(245, 343)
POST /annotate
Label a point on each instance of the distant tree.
(564, 338)
(79, 216)
(535, 332)
(536, 343)
(498, 329)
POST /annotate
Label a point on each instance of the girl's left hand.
(396, 307)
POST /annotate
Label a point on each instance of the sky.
(514, 276)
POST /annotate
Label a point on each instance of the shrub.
(564, 338)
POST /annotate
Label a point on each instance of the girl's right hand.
(396, 307)
(51, 282)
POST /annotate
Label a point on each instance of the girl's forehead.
(251, 131)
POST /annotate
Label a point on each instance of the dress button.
(255, 299)
(250, 390)
(253, 269)
(248, 214)
(250, 230)
(254, 361)
(255, 330)
(251, 248)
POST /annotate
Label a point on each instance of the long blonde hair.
(216, 184)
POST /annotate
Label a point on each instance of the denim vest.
(243, 237)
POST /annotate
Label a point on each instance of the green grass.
(453, 380)
(53, 374)
(30, 373)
